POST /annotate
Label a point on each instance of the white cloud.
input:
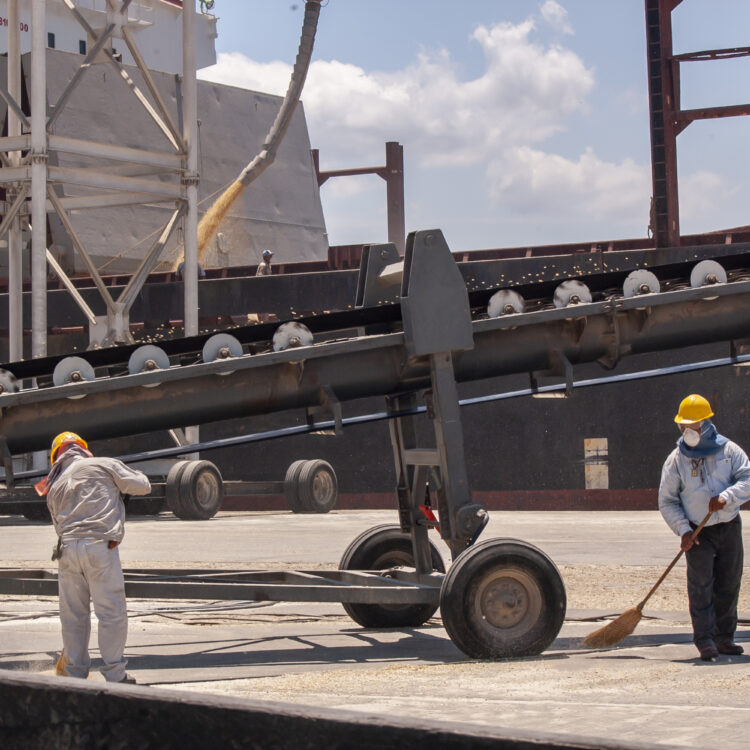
(490, 128)
(523, 96)
(703, 197)
(556, 16)
(538, 183)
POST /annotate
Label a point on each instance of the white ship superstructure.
(155, 24)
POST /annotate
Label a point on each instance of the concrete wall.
(54, 712)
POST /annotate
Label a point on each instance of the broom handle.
(673, 563)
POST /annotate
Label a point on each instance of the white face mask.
(691, 437)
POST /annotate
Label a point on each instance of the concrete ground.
(651, 688)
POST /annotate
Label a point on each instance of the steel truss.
(668, 119)
(30, 181)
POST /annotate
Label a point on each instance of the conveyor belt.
(546, 338)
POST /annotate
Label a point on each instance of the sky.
(523, 122)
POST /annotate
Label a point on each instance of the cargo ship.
(594, 448)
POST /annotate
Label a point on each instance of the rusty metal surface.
(668, 119)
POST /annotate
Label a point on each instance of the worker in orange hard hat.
(705, 473)
(84, 496)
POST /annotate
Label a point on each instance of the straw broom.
(625, 624)
(62, 662)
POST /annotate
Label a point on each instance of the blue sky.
(522, 121)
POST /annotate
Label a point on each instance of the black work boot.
(707, 650)
(728, 646)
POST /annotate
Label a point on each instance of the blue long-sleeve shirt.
(684, 497)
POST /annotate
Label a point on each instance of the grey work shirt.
(85, 501)
(688, 484)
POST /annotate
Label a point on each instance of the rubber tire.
(378, 548)
(470, 627)
(309, 489)
(197, 478)
(172, 490)
(37, 512)
(291, 486)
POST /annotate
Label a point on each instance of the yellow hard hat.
(693, 408)
(65, 438)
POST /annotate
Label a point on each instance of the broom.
(62, 662)
(626, 623)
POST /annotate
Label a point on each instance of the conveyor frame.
(440, 344)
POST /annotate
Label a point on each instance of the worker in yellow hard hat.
(84, 497)
(65, 440)
(705, 473)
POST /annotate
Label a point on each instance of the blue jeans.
(714, 575)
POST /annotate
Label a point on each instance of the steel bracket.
(110, 329)
(738, 347)
(609, 360)
(374, 287)
(329, 406)
(559, 365)
(10, 481)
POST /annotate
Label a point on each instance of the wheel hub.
(206, 490)
(322, 488)
(508, 599)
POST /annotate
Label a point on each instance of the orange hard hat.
(693, 408)
(64, 439)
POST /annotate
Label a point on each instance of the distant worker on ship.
(264, 267)
(705, 473)
(180, 273)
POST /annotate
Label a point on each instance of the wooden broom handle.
(674, 562)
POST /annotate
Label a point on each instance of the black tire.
(379, 548)
(502, 598)
(201, 490)
(172, 490)
(317, 487)
(291, 485)
(37, 512)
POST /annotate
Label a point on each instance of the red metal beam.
(707, 113)
(713, 54)
(663, 73)
(393, 174)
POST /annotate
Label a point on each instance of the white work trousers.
(90, 571)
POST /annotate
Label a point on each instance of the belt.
(736, 519)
